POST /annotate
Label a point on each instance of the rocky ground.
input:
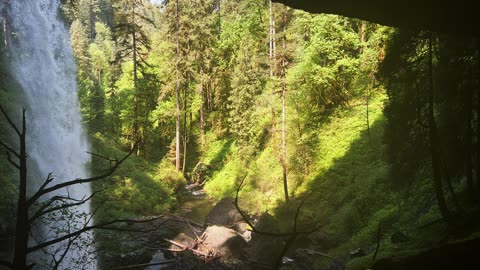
(225, 241)
(222, 242)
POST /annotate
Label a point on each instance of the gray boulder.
(224, 213)
(226, 243)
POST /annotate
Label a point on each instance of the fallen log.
(143, 265)
(208, 255)
(319, 254)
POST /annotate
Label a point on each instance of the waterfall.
(42, 62)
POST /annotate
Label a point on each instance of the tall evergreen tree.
(133, 43)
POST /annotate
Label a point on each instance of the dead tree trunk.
(468, 141)
(21, 226)
(434, 145)
(478, 119)
(271, 39)
(284, 114)
(24, 217)
(177, 90)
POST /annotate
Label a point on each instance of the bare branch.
(12, 162)
(10, 149)
(10, 121)
(104, 225)
(43, 210)
(102, 156)
(247, 220)
(319, 254)
(45, 190)
(47, 181)
(65, 251)
(44, 206)
(295, 221)
(239, 187)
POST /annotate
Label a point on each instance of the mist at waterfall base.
(42, 62)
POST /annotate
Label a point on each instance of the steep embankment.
(347, 177)
(137, 188)
(352, 194)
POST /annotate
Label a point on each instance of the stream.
(194, 205)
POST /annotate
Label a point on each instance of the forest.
(337, 143)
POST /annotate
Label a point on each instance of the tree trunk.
(434, 145)
(135, 134)
(368, 112)
(271, 39)
(202, 98)
(284, 139)
(284, 113)
(468, 142)
(177, 112)
(22, 227)
(478, 118)
(185, 129)
(91, 18)
(362, 31)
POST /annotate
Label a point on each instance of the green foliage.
(9, 100)
(223, 182)
(363, 167)
(137, 188)
(328, 61)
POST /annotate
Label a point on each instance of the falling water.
(42, 62)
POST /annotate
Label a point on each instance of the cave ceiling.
(447, 16)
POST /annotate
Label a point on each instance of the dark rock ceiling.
(455, 17)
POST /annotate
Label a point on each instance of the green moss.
(137, 188)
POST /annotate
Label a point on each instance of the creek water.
(195, 207)
(42, 62)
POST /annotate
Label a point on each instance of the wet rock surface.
(263, 248)
(224, 213)
(178, 239)
(227, 243)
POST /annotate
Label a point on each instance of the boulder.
(226, 243)
(224, 213)
(263, 248)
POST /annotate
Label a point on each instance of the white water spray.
(43, 64)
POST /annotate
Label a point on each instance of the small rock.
(357, 253)
(247, 235)
(286, 260)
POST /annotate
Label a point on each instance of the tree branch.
(247, 220)
(298, 211)
(10, 121)
(102, 156)
(104, 225)
(47, 181)
(43, 210)
(12, 162)
(45, 190)
(10, 149)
